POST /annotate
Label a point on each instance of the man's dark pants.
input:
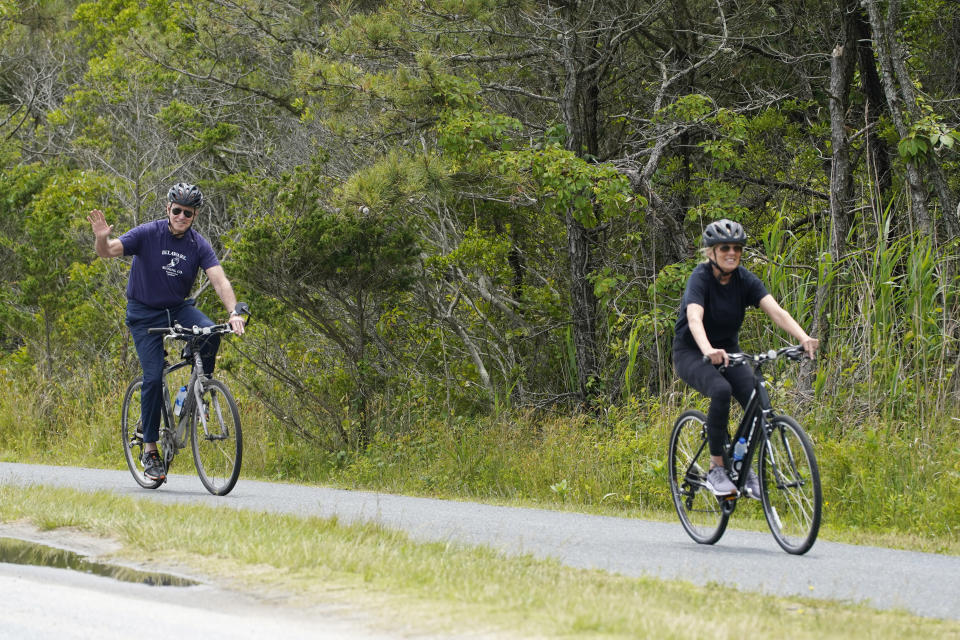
(141, 317)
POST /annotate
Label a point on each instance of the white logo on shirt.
(171, 267)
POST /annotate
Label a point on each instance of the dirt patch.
(63, 538)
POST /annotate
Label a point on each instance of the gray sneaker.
(719, 482)
(752, 486)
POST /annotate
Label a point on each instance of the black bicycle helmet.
(724, 231)
(187, 195)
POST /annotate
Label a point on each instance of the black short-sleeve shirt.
(724, 306)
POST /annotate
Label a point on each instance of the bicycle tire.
(701, 513)
(218, 445)
(131, 434)
(790, 486)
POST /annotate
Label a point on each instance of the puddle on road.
(16, 551)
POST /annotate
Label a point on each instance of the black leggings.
(719, 387)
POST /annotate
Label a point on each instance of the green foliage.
(926, 135)
(351, 263)
(50, 291)
(561, 181)
(467, 132)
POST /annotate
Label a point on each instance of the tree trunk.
(583, 307)
(578, 105)
(841, 173)
(878, 152)
(935, 176)
(883, 37)
(842, 65)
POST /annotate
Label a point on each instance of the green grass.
(437, 588)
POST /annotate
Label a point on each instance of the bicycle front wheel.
(131, 434)
(217, 439)
(700, 511)
(790, 486)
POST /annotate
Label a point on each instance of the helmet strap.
(719, 268)
(174, 233)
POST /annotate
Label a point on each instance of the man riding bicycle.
(167, 256)
(714, 304)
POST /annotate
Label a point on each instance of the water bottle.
(739, 450)
(178, 403)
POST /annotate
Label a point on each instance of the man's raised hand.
(99, 223)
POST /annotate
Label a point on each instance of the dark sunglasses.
(725, 248)
(177, 211)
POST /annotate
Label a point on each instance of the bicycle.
(209, 413)
(789, 476)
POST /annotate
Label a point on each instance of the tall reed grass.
(892, 316)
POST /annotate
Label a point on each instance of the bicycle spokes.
(131, 434)
(702, 515)
(216, 436)
(214, 424)
(790, 487)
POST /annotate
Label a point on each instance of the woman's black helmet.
(724, 231)
(188, 195)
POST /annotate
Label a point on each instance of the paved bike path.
(922, 583)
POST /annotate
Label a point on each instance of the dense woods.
(460, 207)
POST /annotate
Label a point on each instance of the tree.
(920, 133)
(339, 268)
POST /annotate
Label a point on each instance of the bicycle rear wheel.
(790, 486)
(131, 434)
(217, 439)
(701, 513)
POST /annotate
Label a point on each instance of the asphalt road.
(922, 583)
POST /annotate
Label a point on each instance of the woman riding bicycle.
(712, 310)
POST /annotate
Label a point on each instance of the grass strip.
(435, 587)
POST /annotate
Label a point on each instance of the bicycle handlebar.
(183, 333)
(793, 352)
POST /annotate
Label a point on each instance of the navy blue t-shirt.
(164, 267)
(724, 306)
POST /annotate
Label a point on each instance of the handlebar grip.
(158, 330)
(705, 359)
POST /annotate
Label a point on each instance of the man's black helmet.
(724, 231)
(188, 195)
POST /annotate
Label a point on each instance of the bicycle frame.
(173, 433)
(756, 413)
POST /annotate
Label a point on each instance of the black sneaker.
(152, 466)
